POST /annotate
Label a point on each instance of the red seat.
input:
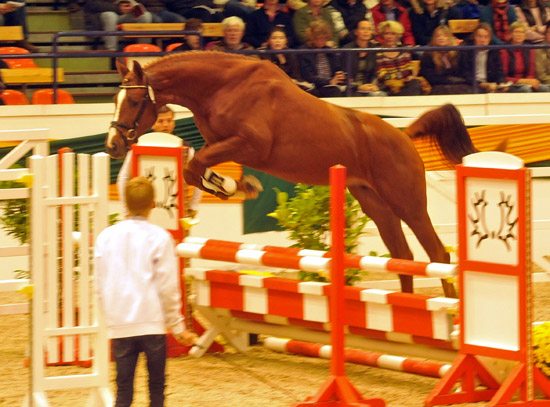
(170, 47)
(45, 97)
(14, 97)
(18, 63)
(141, 48)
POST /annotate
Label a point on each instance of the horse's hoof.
(250, 186)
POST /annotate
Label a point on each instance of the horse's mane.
(193, 55)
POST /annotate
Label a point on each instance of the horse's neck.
(188, 84)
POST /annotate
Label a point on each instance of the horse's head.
(135, 111)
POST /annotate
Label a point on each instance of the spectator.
(542, 58)
(519, 64)
(191, 42)
(363, 64)
(443, 69)
(467, 9)
(535, 14)
(202, 9)
(352, 11)
(137, 287)
(394, 70)
(427, 17)
(260, 24)
(233, 32)
(389, 10)
(13, 15)
(499, 15)
(287, 62)
(239, 8)
(160, 12)
(488, 71)
(321, 69)
(105, 15)
(313, 11)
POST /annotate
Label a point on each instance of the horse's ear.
(503, 145)
(138, 70)
(122, 69)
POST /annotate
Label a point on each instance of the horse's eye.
(132, 102)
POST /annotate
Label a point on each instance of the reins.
(131, 133)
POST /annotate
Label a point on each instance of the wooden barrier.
(31, 75)
(463, 26)
(208, 29)
(11, 33)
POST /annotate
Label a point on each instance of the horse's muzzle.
(115, 145)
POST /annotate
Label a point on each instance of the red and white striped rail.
(361, 357)
(306, 260)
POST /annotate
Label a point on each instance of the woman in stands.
(278, 40)
(535, 14)
(395, 71)
(519, 64)
(443, 68)
(322, 69)
(542, 58)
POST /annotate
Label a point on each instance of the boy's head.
(140, 196)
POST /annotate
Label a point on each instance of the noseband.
(131, 134)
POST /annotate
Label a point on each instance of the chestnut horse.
(250, 112)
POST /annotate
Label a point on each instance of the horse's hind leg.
(389, 226)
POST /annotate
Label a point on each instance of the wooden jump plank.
(31, 75)
(463, 26)
(11, 33)
(209, 29)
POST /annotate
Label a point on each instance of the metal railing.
(56, 55)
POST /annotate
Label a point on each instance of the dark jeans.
(126, 352)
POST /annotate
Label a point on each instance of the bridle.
(131, 134)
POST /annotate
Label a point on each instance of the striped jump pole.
(361, 357)
(306, 260)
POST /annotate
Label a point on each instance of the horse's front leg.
(199, 174)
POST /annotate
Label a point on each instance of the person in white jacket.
(138, 290)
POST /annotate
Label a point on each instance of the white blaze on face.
(112, 131)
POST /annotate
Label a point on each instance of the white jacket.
(137, 280)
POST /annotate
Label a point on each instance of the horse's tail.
(445, 128)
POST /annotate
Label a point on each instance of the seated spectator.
(499, 15)
(191, 42)
(313, 11)
(160, 12)
(11, 15)
(233, 32)
(324, 70)
(287, 62)
(394, 69)
(488, 71)
(352, 11)
(202, 9)
(427, 17)
(519, 64)
(443, 69)
(389, 10)
(105, 15)
(467, 9)
(542, 58)
(260, 24)
(239, 8)
(363, 64)
(535, 14)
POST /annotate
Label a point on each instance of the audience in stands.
(106, 15)
(467, 9)
(287, 62)
(233, 32)
(352, 11)
(542, 58)
(500, 15)
(394, 69)
(426, 17)
(443, 69)
(519, 64)
(363, 64)
(389, 10)
(535, 14)
(202, 9)
(322, 69)
(12, 15)
(313, 11)
(160, 12)
(488, 71)
(261, 22)
(239, 8)
(191, 42)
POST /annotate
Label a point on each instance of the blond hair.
(139, 195)
(395, 26)
(318, 29)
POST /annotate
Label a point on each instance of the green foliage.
(307, 219)
(14, 218)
